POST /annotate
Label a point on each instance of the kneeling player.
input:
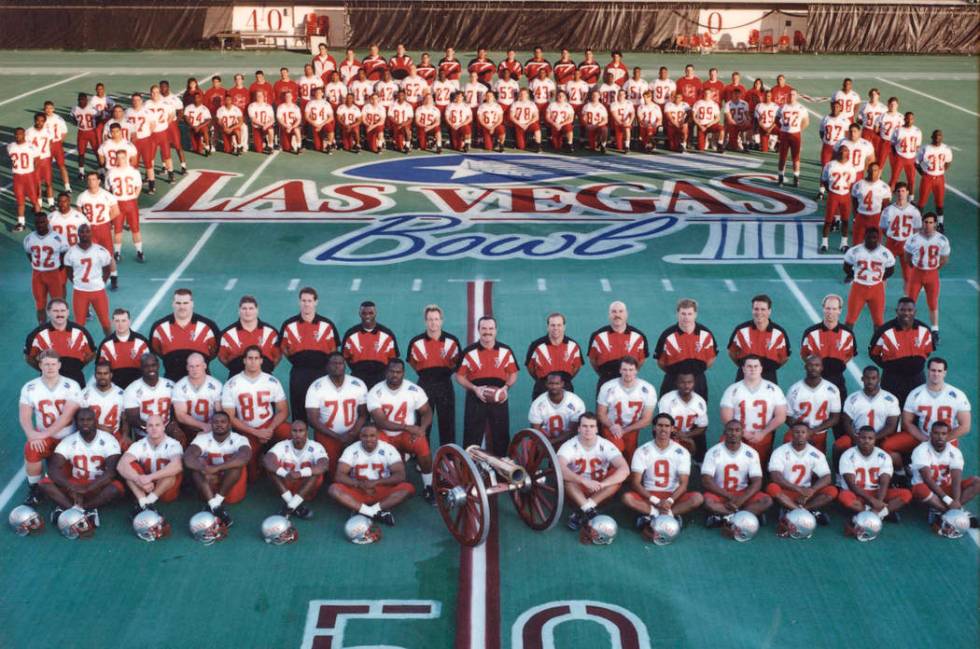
(732, 478)
(82, 470)
(800, 476)
(395, 405)
(591, 468)
(428, 124)
(556, 412)
(937, 475)
(370, 478)
(659, 476)
(216, 464)
(296, 467)
(865, 474)
(152, 467)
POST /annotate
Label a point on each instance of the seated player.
(290, 120)
(934, 400)
(148, 395)
(336, 408)
(813, 402)
(152, 467)
(556, 412)
(216, 463)
(370, 477)
(490, 117)
(428, 124)
(707, 116)
(198, 118)
(937, 475)
(560, 117)
(296, 467)
(459, 119)
(625, 407)
(622, 114)
(105, 398)
(799, 475)
(659, 477)
(231, 125)
(731, 475)
(649, 117)
(195, 398)
(82, 470)
(865, 476)
(400, 409)
(688, 410)
(263, 118)
(318, 114)
(401, 114)
(592, 469)
(594, 122)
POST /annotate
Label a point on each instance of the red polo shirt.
(482, 366)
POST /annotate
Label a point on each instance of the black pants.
(370, 377)
(442, 400)
(701, 389)
(300, 380)
(490, 419)
(841, 384)
(901, 384)
(541, 386)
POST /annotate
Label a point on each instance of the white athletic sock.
(825, 241)
(33, 479)
(117, 247)
(114, 274)
(588, 504)
(21, 221)
(139, 246)
(427, 479)
(286, 496)
(142, 502)
(369, 510)
(151, 498)
(295, 501)
(215, 502)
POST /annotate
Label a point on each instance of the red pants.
(901, 443)
(873, 296)
(77, 481)
(402, 135)
(764, 139)
(334, 449)
(902, 165)
(775, 490)
(102, 235)
(349, 137)
(626, 444)
(227, 145)
(647, 135)
(42, 167)
(732, 133)
(849, 499)
(715, 498)
(898, 249)
(884, 154)
(934, 186)
(419, 447)
(238, 490)
(459, 135)
(871, 135)
(826, 154)
(620, 133)
(423, 135)
(26, 187)
(173, 136)
(789, 143)
(558, 135)
(380, 492)
(30, 455)
(861, 223)
(703, 134)
(924, 279)
(99, 300)
(374, 138)
(320, 135)
(922, 491)
(169, 495)
(85, 140)
(58, 153)
(258, 139)
(129, 212)
(521, 134)
(489, 135)
(837, 205)
(295, 486)
(159, 142)
(675, 136)
(45, 285)
(597, 135)
(286, 140)
(197, 140)
(144, 148)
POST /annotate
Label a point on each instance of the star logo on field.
(469, 167)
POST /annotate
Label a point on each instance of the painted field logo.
(524, 206)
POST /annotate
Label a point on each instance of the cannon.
(464, 481)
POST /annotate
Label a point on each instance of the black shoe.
(713, 521)
(117, 256)
(893, 517)
(575, 521)
(438, 149)
(763, 520)
(466, 148)
(93, 517)
(602, 149)
(303, 513)
(151, 187)
(20, 227)
(680, 520)
(843, 247)
(933, 517)
(183, 170)
(822, 519)
(428, 495)
(170, 177)
(223, 515)
(796, 181)
(643, 522)
(935, 337)
(539, 149)
(626, 151)
(941, 228)
(114, 283)
(135, 511)
(139, 256)
(207, 152)
(589, 514)
(823, 248)
(55, 513)
(780, 180)
(974, 523)
(386, 517)
(33, 496)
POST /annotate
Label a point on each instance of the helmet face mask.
(797, 524)
(601, 530)
(278, 530)
(150, 526)
(74, 524)
(742, 526)
(360, 530)
(866, 526)
(25, 520)
(207, 528)
(953, 524)
(664, 529)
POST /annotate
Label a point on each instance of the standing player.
(635, 86)
(865, 480)
(814, 403)
(47, 409)
(926, 252)
(85, 117)
(401, 411)
(867, 267)
(731, 476)
(659, 475)
(542, 89)
(473, 92)
(536, 64)
(215, 462)
(146, 396)
(434, 355)
(610, 344)
(686, 348)
(87, 266)
(898, 222)
(765, 121)
(58, 131)
(887, 123)
(565, 67)
(123, 349)
(793, 119)
(838, 176)
(450, 64)
(762, 338)
(799, 475)
(551, 353)
(153, 467)
(72, 343)
(398, 64)
(830, 341)
(625, 407)
(833, 128)
(663, 87)
(105, 399)
(368, 346)
(116, 148)
(906, 142)
(869, 116)
(556, 411)
(589, 68)
(900, 348)
(755, 403)
(323, 63)
(933, 161)
(101, 208)
(161, 114)
(860, 152)
(248, 330)
(937, 475)
(139, 121)
(66, 219)
(23, 167)
(443, 90)
(335, 408)
(307, 340)
(195, 398)
(594, 122)
(870, 195)
(689, 413)
(126, 185)
(39, 137)
(689, 86)
(177, 116)
(183, 332)
(45, 250)
(370, 478)
(848, 98)
(308, 84)
(592, 469)
(296, 467)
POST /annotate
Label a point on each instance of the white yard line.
(606, 286)
(667, 284)
(730, 285)
(969, 199)
(417, 284)
(37, 90)
(355, 285)
(293, 284)
(542, 284)
(928, 96)
(230, 284)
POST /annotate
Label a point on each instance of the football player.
(933, 161)
(215, 462)
(594, 122)
(23, 167)
(933, 401)
(336, 408)
(799, 475)
(659, 475)
(677, 117)
(160, 114)
(85, 116)
(123, 348)
(707, 116)
(39, 137)
(899, 221)
(622, 112)
(459, 119)
(832, 341)
(45, 249)
(263, 118)
(757, 404)
(195, 398)
(82, 470)
(738, 121)
(906, 142)
(87, 266)
(290, 120)
(765, 120)
(101, 208)
(867, 267)
(58, 129)
(625, 407)
(926, 252)
(848, 98)
(318, 114)
(592, 470)
(105, 399)
(198, 118)
(296, 467)
(864, 479)
(525, 116)
(247, 331)
(232, 126)
(873, 407)
(373, 117)
(368, 346)
(153, 467)
(126, 185)
(793, 119)
(400, 410)
(560, 117)
(689, 412)
(937, 474)
(837, 178)
(556, 411)
(490, 116)
(833, 128)
(370, 478)
(731, 475)
(148, 395)
(428, 124)
(610, 344)
(401, 115)
(871, 195)
(649, 118)
(66, 219)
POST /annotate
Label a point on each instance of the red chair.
(754, 38)
(767, 41)
(784, 42)
(695, 41)
(708, 40)
(311, 24)
(323, 25)
(680, 41)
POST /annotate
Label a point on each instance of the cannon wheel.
(469, 520)
(539, 502)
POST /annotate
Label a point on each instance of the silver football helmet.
(742, 526)
(207, 528)
(74, 524)
(798, 523)
(953, 524)
(866, 526)
(278, 530)
(25, 520)
(150, 525)
(601, 530)
(664, 529)
(360, 529)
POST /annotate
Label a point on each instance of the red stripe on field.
(463, 613)
(422, 609)
(493, 579)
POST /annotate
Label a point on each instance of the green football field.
(520, 235)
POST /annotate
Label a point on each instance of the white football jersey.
(839, 177)
(197, 115)
(370, 466)
(289, 115)
(153, 458)
(833, 129)
(754, 408)
(97, 206)
(228, 117)
(871, 411)
(661, 468)
(930, 407)
(595, 461)
(160, 114)
(939, 463)
(151, 400)
(555, 419)
(865, 469)
(858, 153)
(66, 224)
(318, 112)
(799, 467)
(87, 266)
(262, 116)
(399, 406)
(253, 399)
(732, 471)
(870, 196)
(337, 406)
(56, 127)
(906, 141)
(108, 405)
(927, 252)
(900, 222)
(201, 402)
(87, 459)
(869, 265)
(663, 90)
(22, 157)
(686, 414)
(626, 405)
(649, 115)
(215, 452)
(139, 121)
(125, 182)
(114, 152)
(765, 114)
(790, 117)
(850, 101)
(933, 159)
(47, 403)
(40, 139)
(45, 251)
(289, 457)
